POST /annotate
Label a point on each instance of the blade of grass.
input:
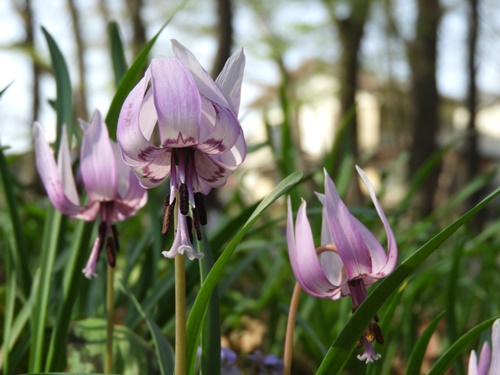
(200, 305)
(418, 352)
(341, 349)
(71, 284)
(446, 360)
(10, 301)
(131, 77)
(20, 252)
(64, 102)
(51, 239)
(117, 52)
(164, 351)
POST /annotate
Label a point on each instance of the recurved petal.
(177, 102)
(65, 169)
(392, 249)
(345, 233)
(137, 108)
(231, 78)
(152, 168)
(204, 82)
(48, 171)
(98, 164)
(495, 349)
(303, 257)
(472, 369)
(224, 131)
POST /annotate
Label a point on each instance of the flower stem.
(290, 328)
(110, 312)
(180, 315)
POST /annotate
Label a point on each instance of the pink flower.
(179, 123)
(113, 190)
(489, 361)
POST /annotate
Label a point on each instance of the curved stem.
(290, 328)
(110, 307)
(292, 313)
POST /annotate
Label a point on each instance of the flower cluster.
(351, 256)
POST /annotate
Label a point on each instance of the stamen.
(200, 204)
(196, 223)
(183, 199)
(168, 211)
(110, 249)
(360, 343)
(189, 223)
(377, 333)
(115, 237)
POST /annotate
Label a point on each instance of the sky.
(291, 24)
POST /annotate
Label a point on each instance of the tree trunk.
(139, 32)
(424, 98)
(225, 35)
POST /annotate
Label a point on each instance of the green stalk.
(110, 306)
(180, 315)
(290, 328)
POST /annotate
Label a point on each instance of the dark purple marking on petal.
(216, 144)
(217, 175)
(180, 139)
(144, 154)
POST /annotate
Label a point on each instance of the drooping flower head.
(112, 189)
(179, 123)
(358, 259)
(489, 361)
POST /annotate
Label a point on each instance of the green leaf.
(19, 252)
(131, 78)
(200, 305)
(446, 360)
(341, 349)
(418, 352)
(117, 52)
(64, 101)
(164, 351)
(73, 277)
(10, 301)
(50, 244)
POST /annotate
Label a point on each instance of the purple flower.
(113, 190)
(489, 361)
(180, 123)
(357, 259)
(270, 364)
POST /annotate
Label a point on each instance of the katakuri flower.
(356, 259)
(113, 190)
(489, 361)
(178, 122)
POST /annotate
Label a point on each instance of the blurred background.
(404, 77)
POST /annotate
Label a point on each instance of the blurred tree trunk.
(225, 35)
(424, 98)
(139, 31)
(350, 31)
(81, 109)
(25, 10)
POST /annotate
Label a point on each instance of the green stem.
(290, 328)
(110, 307)
(180, 315)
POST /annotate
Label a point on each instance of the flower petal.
(392, 248)
(472, 370)
(204, 82)
(48, 171)
(345, 232)
(495, 349)
(484, 360)
(98, 165)
(177, 102)
(231, 78)
(225, 131)
(303, 257)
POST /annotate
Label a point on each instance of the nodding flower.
(112, 189)
(179, 123)
(358, 259)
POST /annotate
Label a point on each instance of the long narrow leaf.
(344, 344)
(164, 350)
(130, 78)
(10, 300)
(64, 102)
(418, 352)
(446, 360)
(20, 251)
(195, 320)
(117, 52)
